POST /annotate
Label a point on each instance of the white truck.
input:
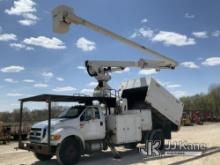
(144, 111)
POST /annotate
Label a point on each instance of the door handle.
(101, 123)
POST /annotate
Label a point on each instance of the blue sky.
(36, 60)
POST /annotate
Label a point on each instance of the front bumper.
(37, 148)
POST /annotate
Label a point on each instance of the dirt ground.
(208, 133)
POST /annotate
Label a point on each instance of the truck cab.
(88, 122)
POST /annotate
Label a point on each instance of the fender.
(66, 132)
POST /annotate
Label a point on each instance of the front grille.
(36, 134)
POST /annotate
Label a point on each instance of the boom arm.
(101, 71)
(143, 64)
(63, 16)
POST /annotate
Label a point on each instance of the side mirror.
(59, 14)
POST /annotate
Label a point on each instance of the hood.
(43, 124)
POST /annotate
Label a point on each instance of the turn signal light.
(55, 137)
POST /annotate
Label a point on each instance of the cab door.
(92, 124)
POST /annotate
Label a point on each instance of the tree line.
(204, 102)
(30, 116)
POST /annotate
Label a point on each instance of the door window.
(97, 114)
(91, 113)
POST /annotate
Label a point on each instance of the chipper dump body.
(147, 93)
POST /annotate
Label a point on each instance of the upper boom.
(63, 16)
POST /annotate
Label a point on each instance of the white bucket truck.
(145, 111)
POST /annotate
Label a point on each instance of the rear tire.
(131, 145)
(157, 135)
(42, 157)
(68, 152)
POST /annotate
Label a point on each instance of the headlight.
(55, 137)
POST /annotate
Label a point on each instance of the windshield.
(72, 112)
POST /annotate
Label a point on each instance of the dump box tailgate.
(164, 102)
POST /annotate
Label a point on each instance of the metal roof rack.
(109, 101)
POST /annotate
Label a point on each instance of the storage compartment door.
(120, 129)
(133, 129)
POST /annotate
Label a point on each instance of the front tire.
(68, 152)
(42, 157)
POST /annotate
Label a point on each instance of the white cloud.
(180, 93)
(143, 32)
(189, 64)
(188, 15)
(60, 79)
(30, 16)
(92, 84)
(20, 46)
(12, 69)
(216, 33)
(202, 34)
(28, 81)
(123, 71)
(29, 19)
(17, 45)
(147, 71)
(27, 22)
(40, 85)
(144, 20)
(8, 37)
(87, 91)
(85, 44)
(81, 67)
(169, 84)
(212, 61)
(47, 75)
(160, 82)
(173, 86)
(172, 38)
(14, 94)
(64, 89)
(21, 7)
(10, 80)
(25, 9)
(45, 42)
